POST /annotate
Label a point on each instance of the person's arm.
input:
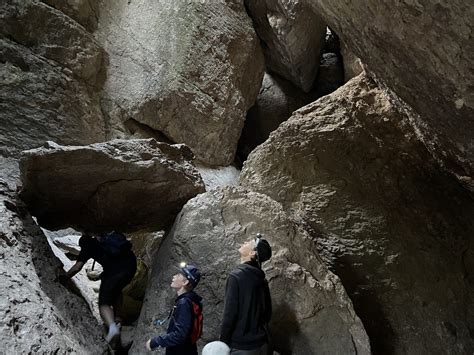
(74, 269)
(183, 321)
(64, 278)
(231, 309)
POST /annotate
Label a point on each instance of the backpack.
(198, 318)
(115, 244)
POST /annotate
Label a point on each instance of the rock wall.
(423, 52)
(50, 76)
(189, 69)
(349, 168)
(37, 315)
(396, 230)
(311, 311)
(352, 64)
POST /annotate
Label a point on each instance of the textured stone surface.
(51, 34)
(275, 103)
(221, 176)
(37, 315)
(118, 185)
(352, 64)
(422, 50)
(311, 311)
(49, 66)
(189, 69)
(396, 230)
(293, 37)
(84, 12)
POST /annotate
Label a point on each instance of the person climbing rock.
(185, 319)
(114, 252)
(248, 306)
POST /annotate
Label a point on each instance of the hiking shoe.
(113, 335)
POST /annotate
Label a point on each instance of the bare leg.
(107, 314)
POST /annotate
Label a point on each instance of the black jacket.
(247, 308)
(177, 340)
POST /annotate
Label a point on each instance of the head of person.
(256, 249)
(186, 279)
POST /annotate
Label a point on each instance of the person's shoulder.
(238, 272)
(183, 300)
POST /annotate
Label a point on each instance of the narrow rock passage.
(37, 314)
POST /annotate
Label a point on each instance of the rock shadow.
(284, 328)
(367, 307)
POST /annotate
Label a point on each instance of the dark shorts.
(112, 285)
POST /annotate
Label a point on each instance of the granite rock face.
(189, 69)
(293, 37)
(311, 311)
(423, 52)
(391, 225)
(38, 315)
(50, 67)
(122, 185)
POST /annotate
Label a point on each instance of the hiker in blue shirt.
(114, 252)
(185, 318)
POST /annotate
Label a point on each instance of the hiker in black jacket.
(179, 338)
(114, 253)
(248, 307)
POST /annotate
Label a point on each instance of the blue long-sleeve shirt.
(177, 339)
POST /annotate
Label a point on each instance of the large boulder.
(311, 311)
(49, 67)
(394, 228)
(118, 185)
(190, 69)
(293, 37)
(51, 34)
(422, 50)
(38, 315)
